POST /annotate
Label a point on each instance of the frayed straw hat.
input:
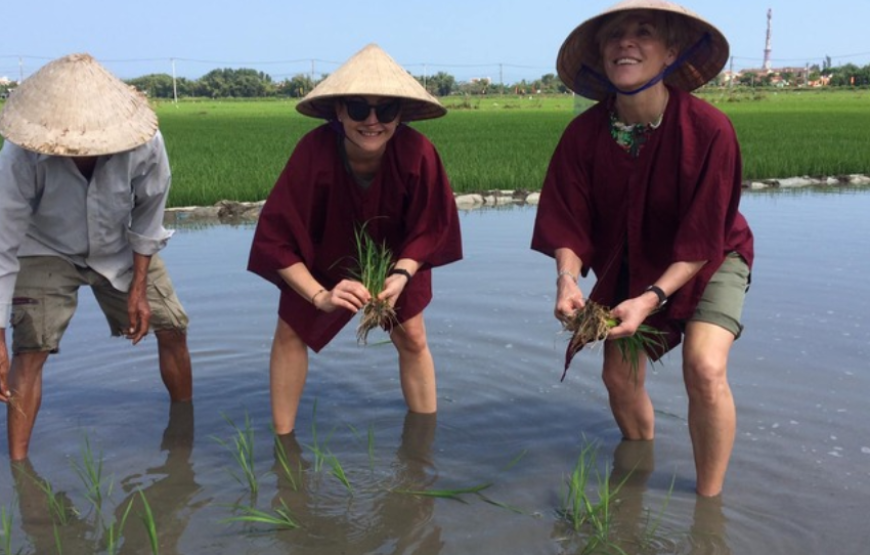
(371, 72)
(73, 106)
(700, 59)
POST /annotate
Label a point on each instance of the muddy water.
(799, 481)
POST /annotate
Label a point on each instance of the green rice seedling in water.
(6, 521)
(652, 526)
(593, 323)
(284, 463)
(338, 471)
(150, 526)
(319, 450)
(373, 264)
(242, 449)
(281, 518)
(114, 532)
(90, 472)
(57, 507)
(578, 508)
(454, 494)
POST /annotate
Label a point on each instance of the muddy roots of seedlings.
(588, 325)
(593, 323)
(375, 313)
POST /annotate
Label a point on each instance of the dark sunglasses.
(359, 110)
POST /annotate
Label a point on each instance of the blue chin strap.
(610, 87)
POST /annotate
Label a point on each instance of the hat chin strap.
(703, 41)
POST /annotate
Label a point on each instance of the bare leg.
(629, 400)
(712, 414)
(416, 367)
(288, 369)
(175, 364)
(25, 382)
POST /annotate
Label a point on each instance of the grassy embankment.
(236, 149)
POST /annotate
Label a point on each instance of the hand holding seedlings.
(595, 322)
(347, 294)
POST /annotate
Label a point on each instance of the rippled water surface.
(799, 480)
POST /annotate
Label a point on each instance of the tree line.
(250, 83)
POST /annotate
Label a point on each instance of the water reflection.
(384, 521)
(49, 518)
(170, 495)
(54, 524)
(636, 520)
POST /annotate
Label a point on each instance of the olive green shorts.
(46, 297)
(722, 301)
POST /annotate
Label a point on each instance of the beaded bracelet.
(566, 273)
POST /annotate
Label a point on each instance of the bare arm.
(138, 308)
(569, 297)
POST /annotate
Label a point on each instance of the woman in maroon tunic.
(363, 167)
(643, 189)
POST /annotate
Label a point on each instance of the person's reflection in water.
(396, 522)
(633, 464)
(709, 526)
(170, 494)
(47, 523)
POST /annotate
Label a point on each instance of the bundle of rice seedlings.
(593, 323)
(373, 264)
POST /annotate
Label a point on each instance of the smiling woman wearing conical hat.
(73, 106)
(363, 169)
(644, 190)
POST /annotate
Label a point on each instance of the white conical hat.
(580, 65)
(371, 72)
(73, 106)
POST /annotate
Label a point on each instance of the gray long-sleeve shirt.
(47, 208)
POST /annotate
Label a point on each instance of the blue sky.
(506, 40)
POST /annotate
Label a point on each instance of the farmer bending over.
(84, 177)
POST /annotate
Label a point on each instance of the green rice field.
(235, 149)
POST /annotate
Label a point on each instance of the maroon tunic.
(677, 201)
(315, 206)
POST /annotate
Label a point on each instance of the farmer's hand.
(348, 294)
(630, 314)
(393, 287)
(569, 298)
(4, 368)
(139, 312)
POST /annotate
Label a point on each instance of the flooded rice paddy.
(799, 480)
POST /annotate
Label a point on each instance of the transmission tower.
(767, 41)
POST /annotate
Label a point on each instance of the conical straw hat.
(702, 57)
(371, 72)
(73, 106)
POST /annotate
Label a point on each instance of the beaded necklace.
(631, 137)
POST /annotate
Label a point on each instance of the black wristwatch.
(663, 299)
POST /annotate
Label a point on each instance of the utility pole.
(767, 48)
(731, 74)
(174, 84)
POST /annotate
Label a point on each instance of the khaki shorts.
(722, 301)
(46, 296)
